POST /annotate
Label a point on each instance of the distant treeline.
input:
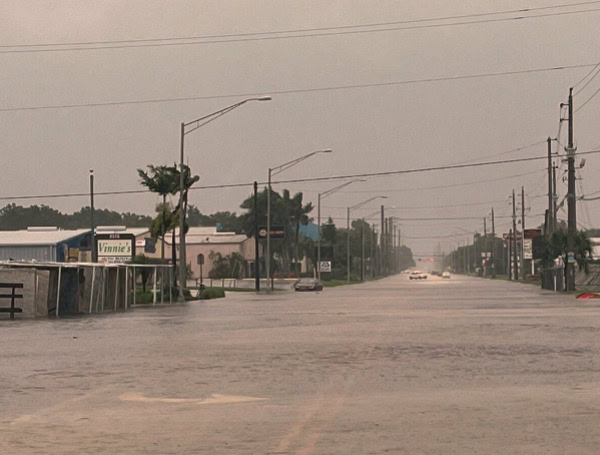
(13, 217)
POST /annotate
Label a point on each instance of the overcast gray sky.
(371, 129)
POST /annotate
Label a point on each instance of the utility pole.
(523, 232)
(92, 224)
(554, 199)
(508, 267)
(348, 245)
(485, 246)
(394, 249)
(382, 242)
(550, 225)
(492, 253)
(572, 202)
(371, 262)
(514, 239)
(390, 246)
(256, 252)
(362, 251)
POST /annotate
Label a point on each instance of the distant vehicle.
(446, 275)
(417, 275)
(308, 284)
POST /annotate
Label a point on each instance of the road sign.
(325, 266)
(200, 259)
(571, 257)
(528, 248)
(277, 232)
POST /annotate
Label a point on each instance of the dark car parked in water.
(308, 284)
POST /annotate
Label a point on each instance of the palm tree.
(298, 214)
(161, 180)
(556, 246)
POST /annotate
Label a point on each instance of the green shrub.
(142, 296)
(212, 293)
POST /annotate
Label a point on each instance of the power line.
(436, 187)
(587, 101)
(320, 32)
(303, 30)
(314, 179)
(306, 90)
(508, 152)
(427, 169)
(597, 67)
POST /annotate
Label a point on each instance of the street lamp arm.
(201, 123)
(339, 187)
(220, 112)
(360, 204)
(282, 167)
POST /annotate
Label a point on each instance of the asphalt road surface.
(459, 366)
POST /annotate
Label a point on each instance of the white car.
(446, 275)
(417, 275)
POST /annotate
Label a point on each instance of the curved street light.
(195, 124)
(320, 196)
(274, 171)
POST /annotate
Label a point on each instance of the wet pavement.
(454, 366)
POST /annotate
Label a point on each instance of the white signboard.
(114, 250)
(325, 266)
(528, 249)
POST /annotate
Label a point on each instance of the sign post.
(201, 263)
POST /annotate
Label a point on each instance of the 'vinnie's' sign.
(114, 248)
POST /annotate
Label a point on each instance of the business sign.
(325, 266)
(115, 248)
(510, 236)
(277, 232)
(532, 233)
(528, 248)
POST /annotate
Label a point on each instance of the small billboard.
(115, 248)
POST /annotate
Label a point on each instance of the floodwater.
(395, 366)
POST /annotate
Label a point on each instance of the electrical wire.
(305, 90)
(435, 187)
(508, 152)
(312, 179)
(588, 82)
(315, 29)
(333, 32)
(587, 101)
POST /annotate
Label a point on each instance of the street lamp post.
(272, 172)
(320, 196)
(199, 122)
(356, 206)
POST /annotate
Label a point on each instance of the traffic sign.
(325, 266)
(277, 232)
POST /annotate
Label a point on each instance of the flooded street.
(444, 366)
